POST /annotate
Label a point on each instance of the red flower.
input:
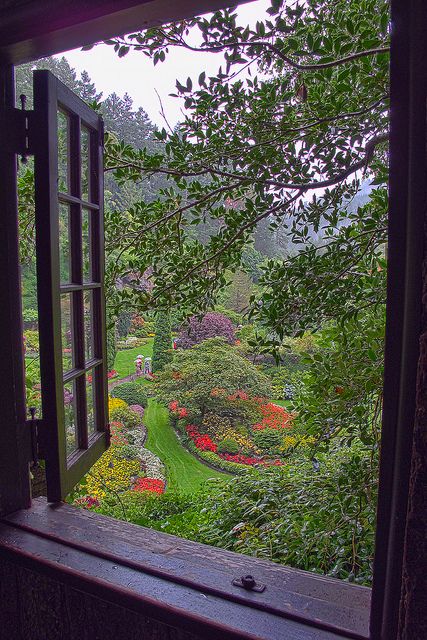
(149, 484)
(274, 417)
(241, 459)
(203, 442)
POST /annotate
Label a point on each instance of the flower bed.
(125, 466)
(252, 461)
(203, 442)
(273, 417)
(152, 465)
(153, 485)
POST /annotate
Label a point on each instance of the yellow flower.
(115, 403)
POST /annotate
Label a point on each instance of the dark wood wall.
(35, 607)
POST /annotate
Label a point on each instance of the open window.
(67, 144)
(55, 104)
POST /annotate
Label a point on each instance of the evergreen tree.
(162, 348)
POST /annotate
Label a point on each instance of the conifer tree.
(162, 348)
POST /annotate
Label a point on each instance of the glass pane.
(88, 318)
(85, 149)
(90, 401)
(86, 253)
(64, 243)
(63, 152)
(67, 331)
(70, 422)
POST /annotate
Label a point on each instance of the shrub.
(274, 417)
(30, 317)
(130, 418)
(228, 445)
(162, 347)
(219, 463)
(31, 340)
(137, 408)
(131, 393)
(146, 330)
(268, 439)
(123, 324)
(205, 378)
(236, 318)
(212, 325)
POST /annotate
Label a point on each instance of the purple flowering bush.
(212, 325)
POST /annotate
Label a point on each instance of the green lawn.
(184, 471)
(124, 363)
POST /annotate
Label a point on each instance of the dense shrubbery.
(131, 393)
(212, 325)
(318, 521)
(268, 439)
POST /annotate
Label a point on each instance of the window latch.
(34, 425)
(249, 583)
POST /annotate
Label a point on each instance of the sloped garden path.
(184, 472)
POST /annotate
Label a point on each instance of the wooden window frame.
(64, 471)
(406, 251)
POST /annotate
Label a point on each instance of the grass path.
(184, 471)
(124, 363)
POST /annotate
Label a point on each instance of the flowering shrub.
(239, 458)
(203, 442)
(212, 325)
(149, 484)
(112, 374)
(290, 442)
(130, 418)
(238, 395)
(136, 408)
(273, 417)
(177, 411)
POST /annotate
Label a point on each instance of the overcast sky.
(136, 75)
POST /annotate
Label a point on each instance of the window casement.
(67, 141)
(66, 137)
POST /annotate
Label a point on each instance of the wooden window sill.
(185, 584)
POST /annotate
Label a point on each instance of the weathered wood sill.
(181, 583)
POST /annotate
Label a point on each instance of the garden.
(246, 267)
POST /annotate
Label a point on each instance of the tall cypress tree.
(162, 347)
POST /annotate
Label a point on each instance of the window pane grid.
(83, 286)
(74, 373)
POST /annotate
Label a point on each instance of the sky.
(136, 75)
